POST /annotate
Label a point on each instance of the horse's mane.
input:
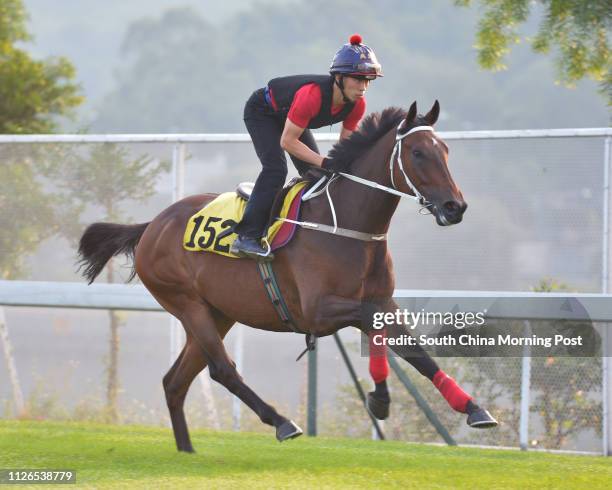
(372, 128)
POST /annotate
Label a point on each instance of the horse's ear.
(432, 116)
(411, 116)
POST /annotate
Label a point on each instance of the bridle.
(417, 196)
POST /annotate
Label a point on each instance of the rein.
(368, 237)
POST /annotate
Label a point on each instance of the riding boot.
(254, 222)
(245, 246)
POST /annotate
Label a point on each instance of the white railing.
(136, 297)
(330, 137)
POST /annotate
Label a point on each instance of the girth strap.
(335, 230)
(273, 291)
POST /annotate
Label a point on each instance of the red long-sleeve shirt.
(307, 104)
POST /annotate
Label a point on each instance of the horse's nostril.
(451, 207)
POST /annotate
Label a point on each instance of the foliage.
(564, 400)
(566, 390)
(408, 423)
(565, 396)
(578, 30)
(35, 213)
(23, 229)
(549, 285)
(176, 55)
(12, 23)
(106, 176)
(32, 93)
(179, 73)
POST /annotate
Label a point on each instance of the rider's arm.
(290, 142)
(353, 119)
(306, 105)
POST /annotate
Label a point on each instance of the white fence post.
(606, 390)
(209, 401)
(606, 360)
(11, 366)
(239, 360)
(525, 391)
(178, 192)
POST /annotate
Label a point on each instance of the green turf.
(145, 457)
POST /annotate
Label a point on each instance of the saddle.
(212, 228)
(244, 190)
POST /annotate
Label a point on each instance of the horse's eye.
(417, 153)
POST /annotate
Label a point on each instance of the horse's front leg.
(456, 397)
(335, 312)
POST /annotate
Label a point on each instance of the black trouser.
(266, 128)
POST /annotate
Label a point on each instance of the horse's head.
(422, 167)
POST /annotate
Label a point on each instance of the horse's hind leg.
(177, 381)
(176, 384)
(201, 322)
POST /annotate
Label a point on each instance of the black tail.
(101, 241)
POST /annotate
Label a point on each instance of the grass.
(107, 456)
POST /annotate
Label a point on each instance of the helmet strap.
(341, 87)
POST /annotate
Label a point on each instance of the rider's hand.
(315, 172)
(328, 164)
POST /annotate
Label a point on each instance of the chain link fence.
(536, 213)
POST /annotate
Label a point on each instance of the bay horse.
(324, 277)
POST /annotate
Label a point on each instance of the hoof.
(481, 419)
(289, 430)
(377, 406)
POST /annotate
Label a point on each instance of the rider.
(279, 117)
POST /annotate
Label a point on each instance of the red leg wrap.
(454, 395)
(379, 366)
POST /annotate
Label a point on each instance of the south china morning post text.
(459, 320)
(486, 327)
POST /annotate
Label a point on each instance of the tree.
(32, 93)
(21, 230)
(204, 73)
(32, 96)
(170, 77)
(105, 177)
(578, 29)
